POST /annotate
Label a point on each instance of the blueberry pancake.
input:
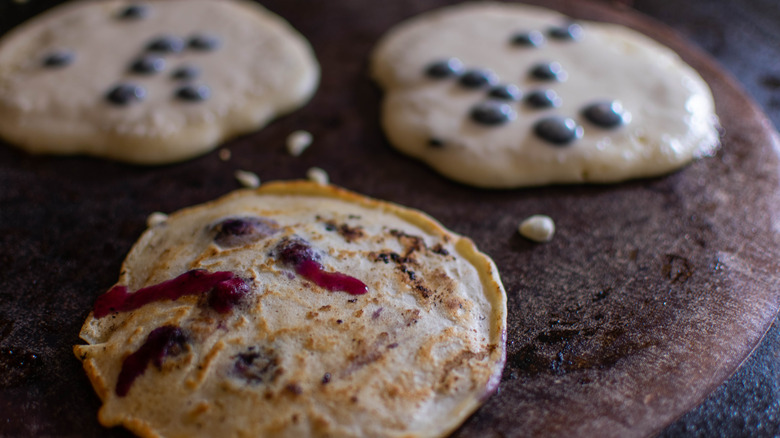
(297, 309)
(149, 82)
(507, 95)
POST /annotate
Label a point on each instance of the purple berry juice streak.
(225, 288)
(161, 342)
(304, 260)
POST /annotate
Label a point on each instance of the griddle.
(648, 298)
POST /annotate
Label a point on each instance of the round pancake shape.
(507, 95)
(218, 327)
(149, 82)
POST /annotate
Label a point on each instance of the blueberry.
(59, 58)
(166, 44)
(435, 143)
(549, 71)
(478, 78)
(558, 130)
(528, 39)
(506, 92)
(543, 99)
(193, 93)
(148, 64)
(569, 32)
(256, 366)
(446, 68)
(607, 114)
(232, 232)
(204, 42)
(133, 12)
(124, 94)
(492, 113)
(295, 251)
(186, 72)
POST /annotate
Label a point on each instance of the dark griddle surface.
(649, 297)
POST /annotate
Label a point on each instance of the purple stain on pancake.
(164, 341)
(194, 282)
(297, 254)
(237, 231)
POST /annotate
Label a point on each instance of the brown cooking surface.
(650, 295)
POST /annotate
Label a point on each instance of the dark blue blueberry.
(506, 92)
(558, 130)
(435, 143)
(445, 68)
(186, 72)
(543, 99)
(608, 114)
(204, 42)
(256, 366)
(549, 71)
(166, 44)
(148, 64)
(295, 251)
(569, 32)
(528, 39)
(60, 58)
(233, 232)
(193, 93)
(478, 78)
(133, 12)
(124, 94)
(492, 113)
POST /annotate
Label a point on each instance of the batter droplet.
(559, 131)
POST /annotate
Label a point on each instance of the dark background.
(744, 36)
